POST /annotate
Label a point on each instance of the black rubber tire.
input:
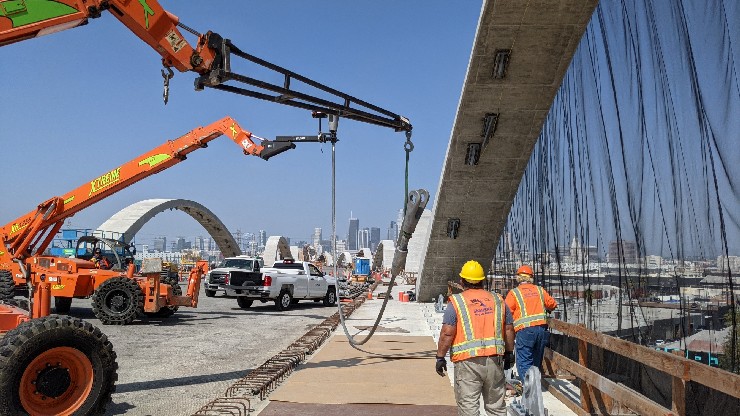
(167, 311)
(284, 300)
(210, 293)
(18, 303)
(118, 301)
(330, 299)
(23, 344)
(62, 305)
(7, 285)
(244, 302)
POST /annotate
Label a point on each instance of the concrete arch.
(276, 248)
(131, 219)
(344, 258)
(328, 258)
(383, 258)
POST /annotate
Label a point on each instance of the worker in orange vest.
(478, 330)
(529, 304)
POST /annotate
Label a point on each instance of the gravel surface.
(173, 366)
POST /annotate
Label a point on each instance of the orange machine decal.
(17, 227)
(105, 181)
(155, 160)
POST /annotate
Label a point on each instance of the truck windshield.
(237, 264)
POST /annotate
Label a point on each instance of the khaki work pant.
(480, 376)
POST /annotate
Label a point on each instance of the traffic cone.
(369, 294)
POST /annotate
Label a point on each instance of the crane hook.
(167, 76)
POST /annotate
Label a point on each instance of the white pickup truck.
(286, 282)
(241, 268)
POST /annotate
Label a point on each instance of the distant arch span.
(383, 258)
(344, 259)
(131, 219)
(276, 248)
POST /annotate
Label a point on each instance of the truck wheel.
(117, 301)
(243, 302)
(56, 365)
(210, 293)
(284, 300)
(331, 297)
(167, 311)
(62, 305)
(7, 285)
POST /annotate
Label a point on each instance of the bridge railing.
(594, 386)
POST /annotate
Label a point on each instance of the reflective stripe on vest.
(470, 345)
(524, 319)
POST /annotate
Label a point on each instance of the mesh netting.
(631, 193)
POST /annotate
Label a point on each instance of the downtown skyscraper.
(354, 227)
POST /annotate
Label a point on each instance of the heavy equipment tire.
(117, 301)
(243, 302)
(167, 311)
(330, 299)
(18, 303)
(56, 365)
(210, 293)
(7, 285)
(284, 300)
(62, 305)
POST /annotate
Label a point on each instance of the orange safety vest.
(529, 311)
(480, 323)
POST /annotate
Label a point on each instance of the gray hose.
(415, 204)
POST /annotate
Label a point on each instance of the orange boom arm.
(33, 232)
(147, 19)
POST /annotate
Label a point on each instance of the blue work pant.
(530, 347)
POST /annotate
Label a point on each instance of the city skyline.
(155, 242)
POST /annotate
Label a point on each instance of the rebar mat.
(261, 381)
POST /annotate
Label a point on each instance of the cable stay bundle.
(631, 193)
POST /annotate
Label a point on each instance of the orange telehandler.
(60, 365)
(117, 296)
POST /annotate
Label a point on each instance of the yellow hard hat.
(472, 271)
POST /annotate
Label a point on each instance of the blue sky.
(81, 102)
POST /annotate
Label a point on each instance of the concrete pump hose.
(415, 204)
(417, 201)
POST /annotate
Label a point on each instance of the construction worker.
(101, 262)
(529, 304)
(477, 328)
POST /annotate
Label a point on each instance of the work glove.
(508, 360)
(441, 366)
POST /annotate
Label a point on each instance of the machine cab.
(118, 253)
